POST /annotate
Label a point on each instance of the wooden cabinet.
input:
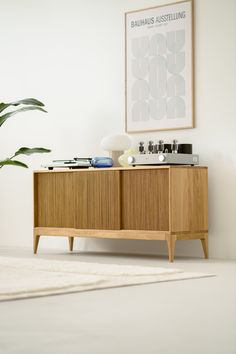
(150, 203)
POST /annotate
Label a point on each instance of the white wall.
(70, 54)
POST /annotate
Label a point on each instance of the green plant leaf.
(31, 101)
(26, 101)
(4, 106)
(30, 104)
(30, 151)
(23, 109)
(13, 163)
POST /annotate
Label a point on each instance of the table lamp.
(116, 145)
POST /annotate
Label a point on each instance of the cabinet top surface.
(131, 168)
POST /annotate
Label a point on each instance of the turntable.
(77, 162)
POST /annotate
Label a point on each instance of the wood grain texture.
(35, 242)
(189, 236)
(170, 239)
(80, 211)
(97, 200)
(188, 200)
(55, 200)
(71, 243)
(119, 234)
(129, 168)
(145, 200)
(35, 199)
(204, 241)
(80, 200)
(103, 200)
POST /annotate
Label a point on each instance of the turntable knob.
(161, 158)
(131, 160)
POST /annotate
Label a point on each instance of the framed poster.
(159, 68)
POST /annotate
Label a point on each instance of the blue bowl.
(102, 162)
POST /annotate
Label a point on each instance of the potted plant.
(27, 104)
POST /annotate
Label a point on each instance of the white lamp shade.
(119, 142)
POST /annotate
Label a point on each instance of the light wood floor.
(195, 316)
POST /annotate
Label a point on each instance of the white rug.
(31, 277)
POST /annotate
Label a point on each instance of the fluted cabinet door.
(97, 200)
(145, 200)
(54, 200)
(82, 200)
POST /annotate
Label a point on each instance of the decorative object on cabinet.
(116, 145)
(167, 203)
(123, 159)
(102, 162)
(159, 70)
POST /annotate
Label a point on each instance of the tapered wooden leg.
(171, 246)
(36, 243)
(205, 245)
(71, 243)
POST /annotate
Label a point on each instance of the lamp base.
(115, 155)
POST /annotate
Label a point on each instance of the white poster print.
(159, 72)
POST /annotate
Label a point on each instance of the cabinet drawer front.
(145, 200)
(54, 200)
